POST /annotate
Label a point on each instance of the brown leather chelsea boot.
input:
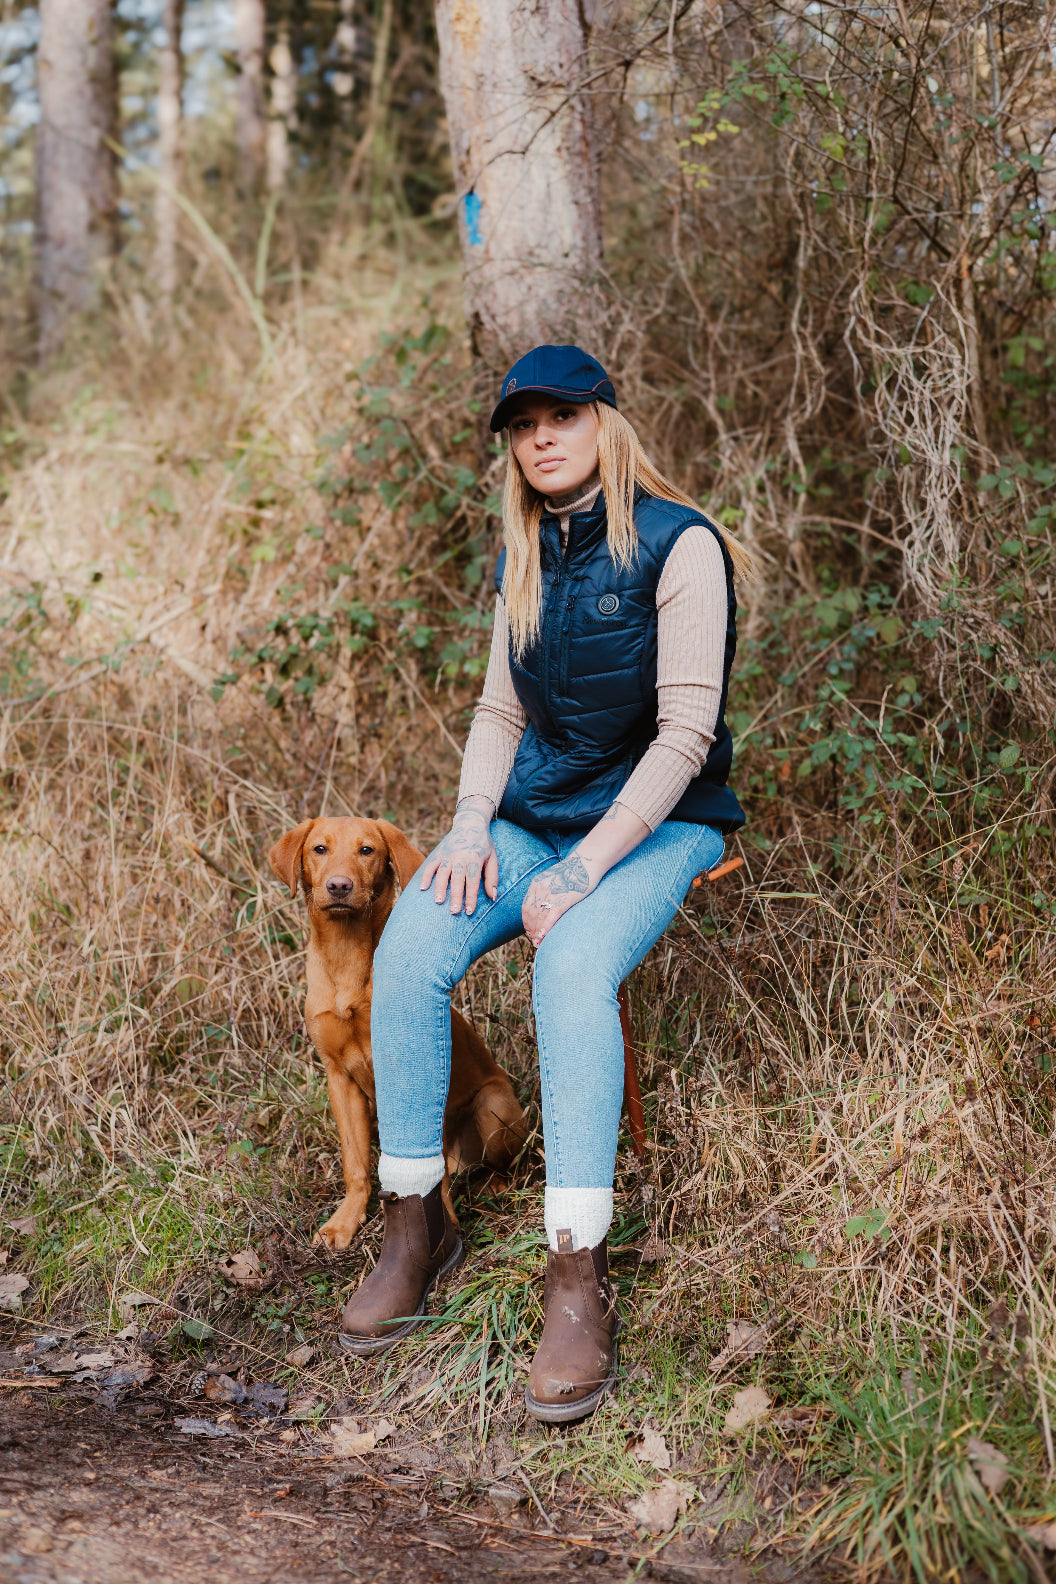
(575, 1364)
(421, 1246)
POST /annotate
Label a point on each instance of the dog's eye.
(365, 851)
(322, 848)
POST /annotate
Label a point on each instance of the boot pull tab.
(564, 1242)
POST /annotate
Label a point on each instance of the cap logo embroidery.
(608, 604)
(511, 386)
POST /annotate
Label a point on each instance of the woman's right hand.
(466, 854)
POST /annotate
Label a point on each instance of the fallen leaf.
(221, 1388)
(990, 1465)
(650, 1447)
(301, 1407)
(301, 1356)
(11, 1289)
(62, 1364)
(129, 1302)
(1043, 1534)
(272, 1399)
(70, 1363)
(749, 1406)
(383, 1430)
(26, 1225)
(3, 1258)
(349, 1441)
(204, 1427)
(287, 1435)
(95, 1361)
(128, 1333)
(197, 1330)
(657, 1510)
(744, 1339)
(998, 951)
(506, 1498)
(129, 1375)
(243, 1268)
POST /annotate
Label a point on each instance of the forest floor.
(236, 591)
(116, 1494)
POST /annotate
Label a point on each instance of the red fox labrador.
(347, 869)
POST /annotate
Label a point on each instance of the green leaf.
(197, 1330)
(808, 1260)
(870, 1224)
(1008, 756)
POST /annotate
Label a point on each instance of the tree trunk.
(170, 150)
(77, 186)
(250, 121)
(345, 41)
(526, 170)
(282, 119)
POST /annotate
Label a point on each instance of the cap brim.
(501, 416)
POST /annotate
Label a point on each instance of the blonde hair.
(624, 468)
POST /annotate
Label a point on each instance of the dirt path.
(94, 1496)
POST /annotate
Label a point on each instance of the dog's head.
(345, 866)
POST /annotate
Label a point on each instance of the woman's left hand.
(552, 893)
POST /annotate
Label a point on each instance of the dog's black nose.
(340, 888)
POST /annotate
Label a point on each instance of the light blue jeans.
(425, 950)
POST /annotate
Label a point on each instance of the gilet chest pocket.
(566, 643)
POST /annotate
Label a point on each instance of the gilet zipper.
(562, 674)
(551, 611)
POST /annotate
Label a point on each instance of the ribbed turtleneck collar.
(582, 503)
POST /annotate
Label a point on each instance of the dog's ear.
(285, 856)
(405, 859)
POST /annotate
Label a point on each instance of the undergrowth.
(235, 598)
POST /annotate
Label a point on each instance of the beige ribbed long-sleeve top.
(691, 640)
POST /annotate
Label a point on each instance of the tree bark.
(345, 41)
(76, 167)
(282, 119)
(170, 151)
(250, 119)
(526, 170)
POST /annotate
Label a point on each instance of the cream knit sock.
(401, 1175)
(585, 1212)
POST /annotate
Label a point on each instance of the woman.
(593, 790)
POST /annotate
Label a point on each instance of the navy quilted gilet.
(588, 682)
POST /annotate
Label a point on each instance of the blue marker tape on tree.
(472, 208)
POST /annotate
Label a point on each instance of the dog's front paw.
(337, 1233)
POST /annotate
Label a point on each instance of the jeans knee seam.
(443, 1034)
(546, 1086)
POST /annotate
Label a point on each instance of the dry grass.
(846, 1048)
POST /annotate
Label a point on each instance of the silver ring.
(545, 906)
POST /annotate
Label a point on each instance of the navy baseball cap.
(565, 371)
